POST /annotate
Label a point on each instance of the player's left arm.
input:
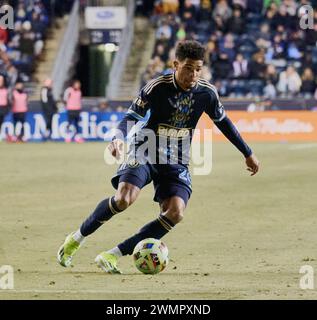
(218, 115)
(230, 131)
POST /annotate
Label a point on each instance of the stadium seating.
(22, 47)
(267, 28)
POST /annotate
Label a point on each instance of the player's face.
(188, 72)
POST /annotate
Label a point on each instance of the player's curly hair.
(190, 49)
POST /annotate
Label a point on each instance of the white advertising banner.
(105, 17)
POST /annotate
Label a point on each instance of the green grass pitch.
(242, 237)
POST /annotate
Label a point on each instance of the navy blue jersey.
(172, 114)
(172, 107)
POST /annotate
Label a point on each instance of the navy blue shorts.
(168, 180)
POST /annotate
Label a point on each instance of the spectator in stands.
(255, 6)
(308, 84)
(263, 36)
(227, 46)
(222, 10)
(258, 66)
(268, 3)
(20, 12)
(169, 68)
(27, 43)
(196, 4)
(271, 74)
(240, 4)
(309, 62)
(293, 52)
(311, 34)
(3, 101)
(205, 10)
(164, 32)
(12, 75)
(298, 38)
(161, 52)
(289, 82)
(269, 90)
(222, 67)
(205, 73)
(240, 67)
(271, 16)
(236, 24)
(283, 17)
(181, 32)
(170, 6)
(48, 106)
(103, 106)
(219, 24)
(211, 53)
(19, 110)
(189, 16)
(276, 51)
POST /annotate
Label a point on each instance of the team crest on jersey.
(133, 163)
(183, 105)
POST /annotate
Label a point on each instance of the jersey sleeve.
(141, 104)
(136, 112)
(215, 109)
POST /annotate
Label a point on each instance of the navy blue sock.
(154, 229)
(105, 210)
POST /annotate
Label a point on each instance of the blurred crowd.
(254, 47)
(22, 47)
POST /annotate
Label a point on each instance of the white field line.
(302, 146)
(98, 291)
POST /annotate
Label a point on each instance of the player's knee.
(125, 196)
(123, 201)
(175, 215)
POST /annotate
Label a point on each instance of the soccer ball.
(150, 256)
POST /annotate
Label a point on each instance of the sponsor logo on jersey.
(139, 102)
(172, 132)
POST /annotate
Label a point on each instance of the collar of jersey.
(177, 87)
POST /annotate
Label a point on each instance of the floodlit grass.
(242, 237)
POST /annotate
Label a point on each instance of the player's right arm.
(136, 112)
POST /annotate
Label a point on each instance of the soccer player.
(175, 103)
